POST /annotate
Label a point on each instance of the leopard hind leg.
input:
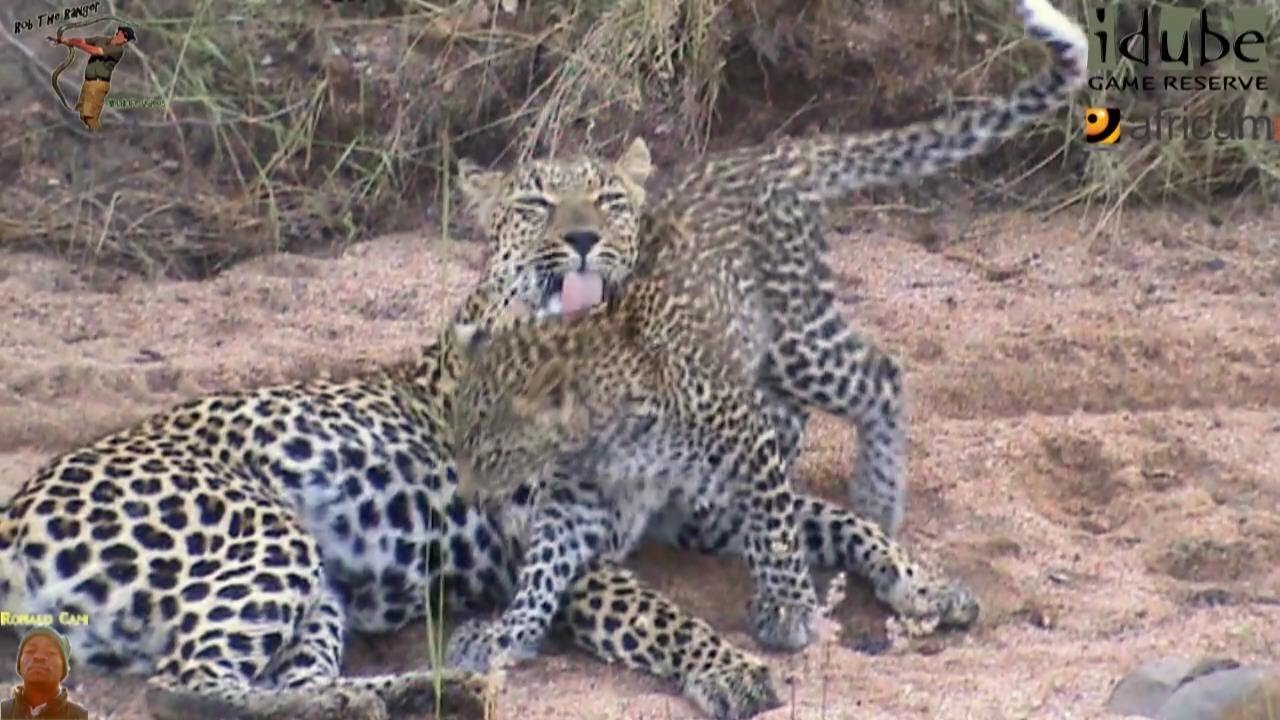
(274, 668)
(817, 361)
(225, 658)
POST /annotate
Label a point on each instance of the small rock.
(1145, 690)
(1215, 264)
(1242, 693)
(930, 646)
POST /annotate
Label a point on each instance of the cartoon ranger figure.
(104, 53)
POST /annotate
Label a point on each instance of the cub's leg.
(608, 612)
(829, 367)
(817, 361)
(569, 529)
(752, 454)
(611, 614)
(835, 539)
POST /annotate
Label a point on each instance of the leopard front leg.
(564, 536)
(837, 539)
(609, 613)
(784, 606)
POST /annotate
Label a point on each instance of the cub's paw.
(740, 690)
(472, 646)
(934, 602)
(788, 626)
(479, 646)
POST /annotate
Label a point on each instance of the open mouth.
(573, 293)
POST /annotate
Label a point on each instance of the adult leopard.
(674, 408)
(562, 238)
(224, 547)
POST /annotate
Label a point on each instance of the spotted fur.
(815, 361)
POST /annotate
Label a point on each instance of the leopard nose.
(582, 240)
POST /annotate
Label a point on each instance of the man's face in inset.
(41, 661)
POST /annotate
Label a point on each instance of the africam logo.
(1102, 127)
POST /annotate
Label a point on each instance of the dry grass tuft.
(308, 126)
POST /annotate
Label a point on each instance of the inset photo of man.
(44, 660)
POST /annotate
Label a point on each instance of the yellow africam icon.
(1101, 125)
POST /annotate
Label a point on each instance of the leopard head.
(517, 412)
(563, 233)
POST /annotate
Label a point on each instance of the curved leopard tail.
(458, 694)
(925, 148)
(829, 166)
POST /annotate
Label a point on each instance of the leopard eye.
(611, 198)
(535, 201)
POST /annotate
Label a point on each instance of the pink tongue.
(580, 291)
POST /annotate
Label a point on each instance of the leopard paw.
(472, 646)
(788, 626)
(937, 602)
(479, 646)
(737, 691)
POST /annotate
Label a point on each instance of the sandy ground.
(1095, 442)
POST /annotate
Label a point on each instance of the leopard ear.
(634, 167)
(481, 189)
